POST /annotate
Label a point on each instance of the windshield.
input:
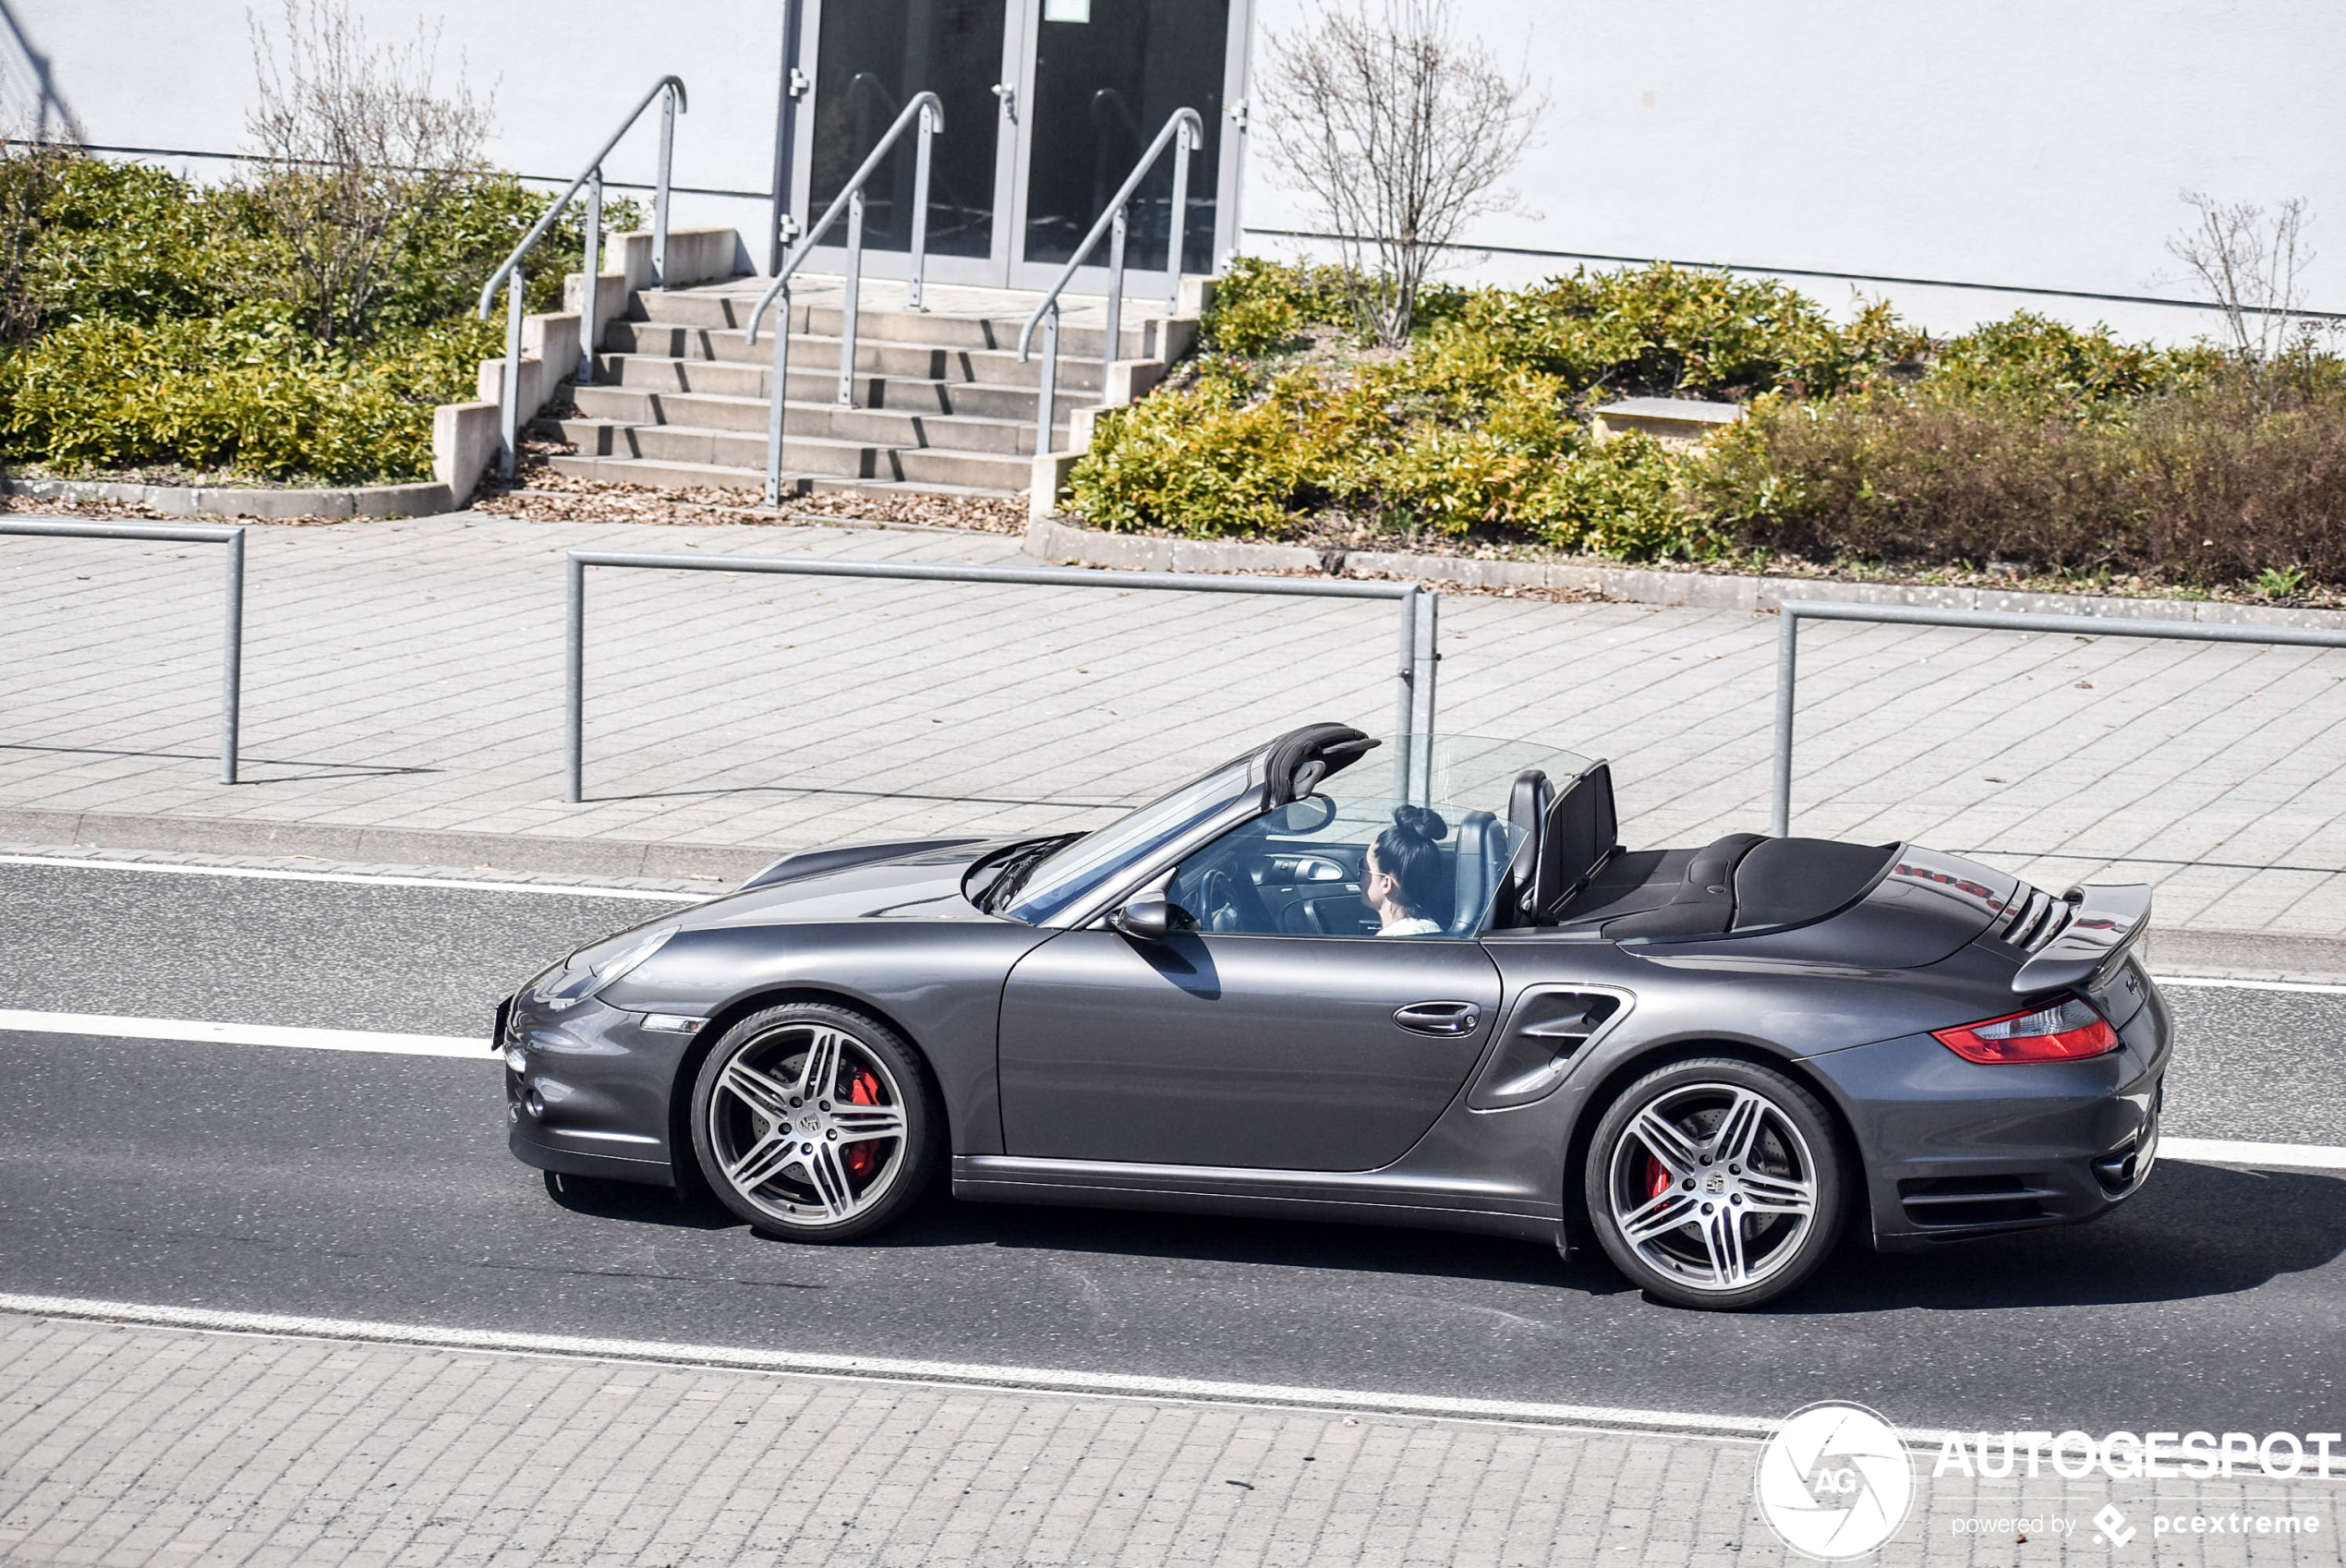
(1078, 870)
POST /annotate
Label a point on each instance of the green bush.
(153, 324)
(1260, 306)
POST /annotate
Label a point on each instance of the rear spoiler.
(2108, 921)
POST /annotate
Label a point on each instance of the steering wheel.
(1231, 903)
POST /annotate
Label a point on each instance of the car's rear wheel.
(1715, 1183)
(815, 1122)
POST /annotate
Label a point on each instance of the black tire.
(813, 1185)
(1776, 1209)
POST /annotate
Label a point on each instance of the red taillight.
(2063, 1033)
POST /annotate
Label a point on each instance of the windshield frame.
(1099, 866)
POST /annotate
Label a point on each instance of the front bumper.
(590, 1096)
(1954, 1150)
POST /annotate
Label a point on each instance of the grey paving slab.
(126, 1444)
(405, 676)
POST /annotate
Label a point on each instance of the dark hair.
(1407, 853)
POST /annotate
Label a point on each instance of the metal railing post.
(854, 296)
(775, 403)
(1406, 705)
(1115, 348)
(590, 297)
(232, 659)
(1428, 653)
(1046, 394)
(1178, 221)
(920, 210)
(659, 191)
(509, 395)
(575, 672)
(1787, 657)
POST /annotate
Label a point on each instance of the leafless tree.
(1401, 131)
(358, 144)
(2250, 267)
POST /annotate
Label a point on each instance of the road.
(357, 1185)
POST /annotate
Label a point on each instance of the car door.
(1301, 1051)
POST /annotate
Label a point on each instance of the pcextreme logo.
(1834, 1481)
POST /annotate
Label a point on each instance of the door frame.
(1004, 267)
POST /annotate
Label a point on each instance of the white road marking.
(2249, 985)
(244, 1033)
(2232, 1151)
(363, 879)
(890, 1369)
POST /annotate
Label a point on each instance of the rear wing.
(2108, 921)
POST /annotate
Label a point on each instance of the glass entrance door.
(1048, 104)
(870, 57)
(1107, 75)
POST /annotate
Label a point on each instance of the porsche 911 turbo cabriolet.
(1436, 993)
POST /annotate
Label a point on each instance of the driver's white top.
(1411, 928)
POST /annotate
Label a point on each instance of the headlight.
(591, 967)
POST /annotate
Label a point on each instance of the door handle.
(1008, 95)
(1439, 1017)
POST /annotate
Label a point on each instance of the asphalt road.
(356, 1185)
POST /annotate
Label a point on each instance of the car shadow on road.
(2192, 1231)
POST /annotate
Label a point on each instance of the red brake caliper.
(861, 1157)
(1657, 1179)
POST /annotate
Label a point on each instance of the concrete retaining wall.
(1057, 541)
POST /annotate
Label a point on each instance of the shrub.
(1259, 306)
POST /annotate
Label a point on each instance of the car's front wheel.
(815, 1122)
(1715, 1183)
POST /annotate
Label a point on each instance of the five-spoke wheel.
(1715, 1183)
(814, 1122)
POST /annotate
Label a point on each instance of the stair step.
(884, 427)
(911, 394)
(930, 328)
(668, 474)
(814, 454)
(921, 362)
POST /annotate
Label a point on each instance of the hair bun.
(1423, 821)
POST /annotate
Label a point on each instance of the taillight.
(2063, 1033)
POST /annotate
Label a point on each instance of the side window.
(1314, 869)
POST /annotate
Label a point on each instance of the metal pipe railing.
(1414, 708)
(514, 279)
(232, 652)
(1190, 128)
(929, 110)
(1793, 612)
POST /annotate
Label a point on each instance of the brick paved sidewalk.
(132, 1445)
(407, 676)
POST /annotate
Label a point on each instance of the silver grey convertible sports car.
(1428, 989)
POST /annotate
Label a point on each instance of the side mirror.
(1307, 815)
(1147, 918)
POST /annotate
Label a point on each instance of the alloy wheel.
(1714, 1187)
(808, 1126)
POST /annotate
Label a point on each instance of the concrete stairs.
(940, 401)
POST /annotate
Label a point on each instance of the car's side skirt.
(1360, 1198)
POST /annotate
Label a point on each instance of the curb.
(391, 845)
(424, 499)
(1061, 543)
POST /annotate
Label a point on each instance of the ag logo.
(1834, 1481)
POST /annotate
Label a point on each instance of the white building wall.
(2004, 142)
(2013, 142)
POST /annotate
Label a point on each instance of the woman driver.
(1405, 882)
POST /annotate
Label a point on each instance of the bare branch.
(361, 143)
(2250, 268)
(1400, 131)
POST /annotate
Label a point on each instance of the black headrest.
(1331, 747)
(1578, 833)
(1528, 804)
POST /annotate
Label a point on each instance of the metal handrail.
(231, 644)
(929, 110)
(1414, 681)
(512, 275)
(1192, 131)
